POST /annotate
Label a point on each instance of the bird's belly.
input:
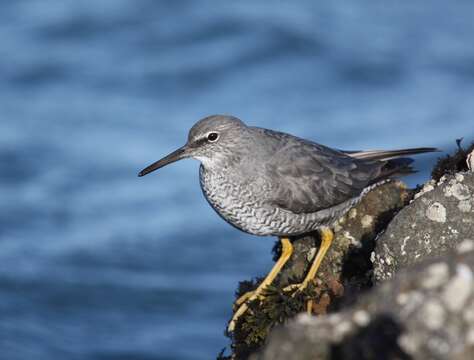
(259, 220)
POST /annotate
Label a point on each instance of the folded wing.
(307, 177)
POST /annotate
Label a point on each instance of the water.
(98, 264)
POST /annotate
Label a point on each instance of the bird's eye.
(213, 136)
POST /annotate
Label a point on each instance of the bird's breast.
(232, 197)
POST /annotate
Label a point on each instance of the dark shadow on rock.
(378, 340)
(357, 268)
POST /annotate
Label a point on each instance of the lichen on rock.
(400, 319)
(434, 222)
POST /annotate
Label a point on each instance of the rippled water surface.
(98, 264)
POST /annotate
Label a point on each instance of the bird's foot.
(298, 289)
(243, 299)
(242, 302)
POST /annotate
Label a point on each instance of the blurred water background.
(96, 263)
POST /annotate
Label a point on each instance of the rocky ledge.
(397, 282)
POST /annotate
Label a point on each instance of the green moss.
(247, 285)
(252, 328)
(451, 164)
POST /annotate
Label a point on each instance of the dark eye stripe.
(198, 142)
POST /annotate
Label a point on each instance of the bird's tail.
(396, 167)
(388, 154)
(394, 161)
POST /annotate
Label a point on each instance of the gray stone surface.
(424, 312)
(440, 217)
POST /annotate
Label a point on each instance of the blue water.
(96, 263)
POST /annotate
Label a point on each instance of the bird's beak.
(176, 155)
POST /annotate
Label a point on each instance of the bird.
(270, 183)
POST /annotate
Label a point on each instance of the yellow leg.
(326, 239)
(286, 251)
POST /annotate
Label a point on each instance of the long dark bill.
(168, 159)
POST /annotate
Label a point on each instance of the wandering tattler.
(266, 182)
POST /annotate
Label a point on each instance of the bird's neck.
(211, 164)
(214, 168)
(220, 163)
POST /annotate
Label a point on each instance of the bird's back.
(305, 177)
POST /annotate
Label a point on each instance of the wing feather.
(306, 177)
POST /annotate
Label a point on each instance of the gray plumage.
(266, 182)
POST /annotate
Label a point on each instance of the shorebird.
(266, 182)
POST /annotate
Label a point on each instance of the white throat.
(208, 163)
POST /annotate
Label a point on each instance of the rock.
(346, 269)
(424, 312)
(440, 217)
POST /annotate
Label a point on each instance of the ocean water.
(98, 264)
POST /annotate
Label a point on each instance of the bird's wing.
(306, 177)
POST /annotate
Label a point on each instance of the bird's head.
(211, 140)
